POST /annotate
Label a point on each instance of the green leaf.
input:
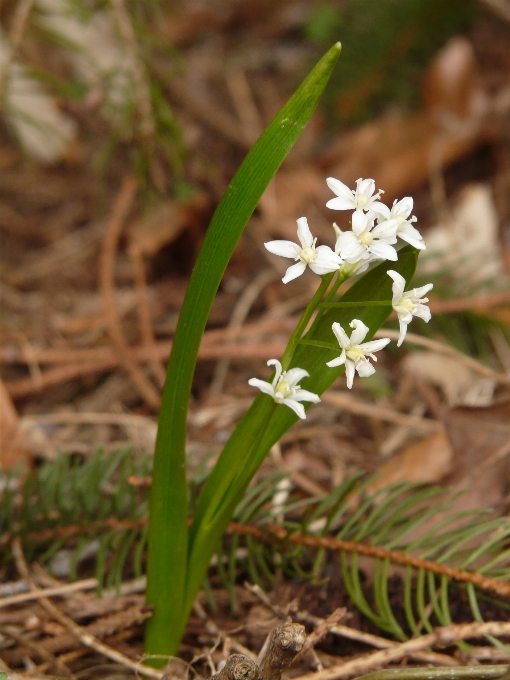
(265, 422)
(168, 533)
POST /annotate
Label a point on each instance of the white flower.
(363, 198)
(408, 304)
(366, 241)
(399, 213)
(354, 355)
(321, 260)
(285, 389)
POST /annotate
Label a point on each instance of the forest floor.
(90, 302)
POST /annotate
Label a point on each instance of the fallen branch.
(441, 637)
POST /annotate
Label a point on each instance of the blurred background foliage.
(116, 60)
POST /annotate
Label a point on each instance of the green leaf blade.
(168, 531)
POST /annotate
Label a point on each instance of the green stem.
(304, 320)
(339, 280)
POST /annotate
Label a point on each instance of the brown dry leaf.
(451, 86)
(427, 461)
(163, 224)
(399, 150)
(481, 443)
(288, 197)
(459, 244)
(13, 446)
(459, 384)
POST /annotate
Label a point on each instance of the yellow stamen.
(307, 255)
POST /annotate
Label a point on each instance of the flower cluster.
(375, 229)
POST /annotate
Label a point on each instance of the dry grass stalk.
(85, 638)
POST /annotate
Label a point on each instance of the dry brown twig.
(237, 667)
(53, 662)
(210, 347)
(284, 643)
(12, 675)
(349, 403)
(85, 638)
(322, 628)
(480, 302)
(442, 348)
(277, 532)
(106, 278)
(86, 584)
(379, 642)
(239, 314)
(274, 530)
(144, 315)
(25, 386)
(442, 637)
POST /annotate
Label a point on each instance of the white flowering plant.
(333, 335)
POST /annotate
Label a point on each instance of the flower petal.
(294, 271)
(294, 375)
(404, 314)
(283, 248)
(336, 362)
(412, 236)
(366, 186)
(403, 207)
(422, 312)
(305, 395)
(384, 250)
(403, 330)
(359, 222)
(341, 335)
(399, 283)
(340, 189)
(359, 333)
(263, 386)
(364, 368)
(387, 231)
(350, 370)
(374, 345)
(380, 209)
(304, 234)
(325, 261)
(349, 248)
(341, 203)
(422, 290)
(298, 408)
(278, 370)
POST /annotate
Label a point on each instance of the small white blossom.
(321, 259)
(408, 304)
(355, 351)
(399, 213)
(362, 198)
(367, 241)
(285, 389)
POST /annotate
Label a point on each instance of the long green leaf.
(168, 533)
(265, 422)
